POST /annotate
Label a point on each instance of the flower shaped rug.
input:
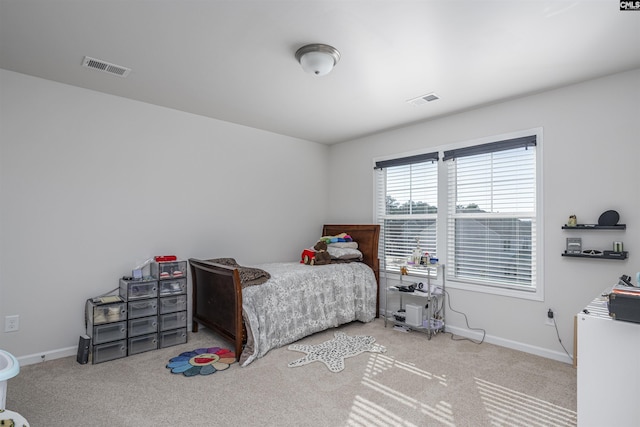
(202, 361)
(333, 352)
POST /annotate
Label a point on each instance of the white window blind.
(406, 203)
(491, 227)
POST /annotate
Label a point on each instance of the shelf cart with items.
(424, 310)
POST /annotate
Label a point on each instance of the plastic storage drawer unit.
(173, 304)
(143, 308)
(110, 351)
(175, 337)
(173, 287)
(109, 332)
(143, 343)
(98, 314)
(142, 326)
(169, 270)
(138, 289)
(173, 320)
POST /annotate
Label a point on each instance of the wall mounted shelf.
(615, 255)
(583, 227)
(604, 254)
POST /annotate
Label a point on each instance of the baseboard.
(515, 345)
(32, 359)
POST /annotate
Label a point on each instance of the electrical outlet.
(11, 323)
(549, 321)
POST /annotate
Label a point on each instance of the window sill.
(533, 295)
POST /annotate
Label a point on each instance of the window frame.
(381, 218)
(442, 250)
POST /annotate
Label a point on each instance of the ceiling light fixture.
(318, 59)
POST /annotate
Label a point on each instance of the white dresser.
(608, 368)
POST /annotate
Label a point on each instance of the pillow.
(344, 253)
(351, 245)
(249, 276)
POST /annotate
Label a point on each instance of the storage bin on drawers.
(138, 289)
(174, 337)
(173, 304)
(109, 332)
(98, 314)
(143, 308)
(173, 320)
(172, 287)
(143, 343)
(169, 270)
(109, 351)
(143, 325)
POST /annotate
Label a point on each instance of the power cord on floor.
(467, 323)
(555, 325)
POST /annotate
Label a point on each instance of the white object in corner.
(9, 368)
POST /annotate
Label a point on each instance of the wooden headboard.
(367, 236)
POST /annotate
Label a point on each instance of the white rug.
(333, 352)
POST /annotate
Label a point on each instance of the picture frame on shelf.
(574, 245)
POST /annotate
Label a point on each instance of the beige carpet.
(417, 382)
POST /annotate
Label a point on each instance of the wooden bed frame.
(217, 291)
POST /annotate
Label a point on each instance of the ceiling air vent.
(430, 97)
(106, 67)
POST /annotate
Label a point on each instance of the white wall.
(92, 184)
(591, 149)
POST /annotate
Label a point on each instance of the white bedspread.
(300, 300)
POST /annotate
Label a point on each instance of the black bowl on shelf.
(609, 218)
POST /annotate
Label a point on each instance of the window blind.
(406, 201)
(491, 227)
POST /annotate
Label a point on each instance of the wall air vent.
(430, 97)
(106, 67)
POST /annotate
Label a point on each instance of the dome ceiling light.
(318, 59)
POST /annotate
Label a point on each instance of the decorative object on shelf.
(618, 247)
(573, 221)
(592, 252)
(574, 245)
(202, 361)
(609, 218)
(416, 256)
(333, 352)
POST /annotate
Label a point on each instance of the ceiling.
(234, 60)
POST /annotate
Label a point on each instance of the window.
(407, 194)
(491, 226)
(486, 232)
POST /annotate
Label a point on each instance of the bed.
(259, 318)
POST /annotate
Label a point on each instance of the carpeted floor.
(416, 382)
